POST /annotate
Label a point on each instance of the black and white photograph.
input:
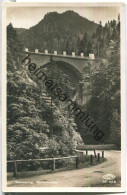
(63, 97)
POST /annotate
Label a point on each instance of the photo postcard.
(63, 97)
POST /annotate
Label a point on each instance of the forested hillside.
(60, 32)
(104, 79)
(32, 124)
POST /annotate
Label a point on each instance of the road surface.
(74, 178)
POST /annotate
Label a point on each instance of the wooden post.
(98, 157)
(86, 152)
(91, 159)
(53, 166)
(95, 153)
(77, 162)
(15, 169)
(102, 154)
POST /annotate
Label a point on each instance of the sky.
(26, 17)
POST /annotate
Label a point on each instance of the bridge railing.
(91, 55)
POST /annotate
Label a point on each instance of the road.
(75, 178)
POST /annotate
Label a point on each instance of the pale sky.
(26, 17)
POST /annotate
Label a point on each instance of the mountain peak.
(70, 12)
(51, 14)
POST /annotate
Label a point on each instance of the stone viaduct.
(72, 65)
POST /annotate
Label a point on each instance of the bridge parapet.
(55, 52)
(46, 53)
(82, 54)
(73, 54)
(36, 50)
(64, 53)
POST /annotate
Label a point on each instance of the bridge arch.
(68, 69)
(74, 74)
